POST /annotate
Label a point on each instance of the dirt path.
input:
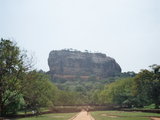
(83, 115)
(154, 118)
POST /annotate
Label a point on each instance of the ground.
(83, 115)
(97, 115)
(153, 118)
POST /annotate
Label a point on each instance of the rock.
(76, 63)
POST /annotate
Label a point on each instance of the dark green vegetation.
(120, 115)
(138, 91)
(25, 89)
(20, 87)
(12, 69)
(82, 92)
(126, 90)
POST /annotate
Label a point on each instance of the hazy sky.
(127, 30)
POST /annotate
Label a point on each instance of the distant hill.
(69, 64)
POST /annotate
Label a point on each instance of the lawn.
(120, 115)
(54, 116)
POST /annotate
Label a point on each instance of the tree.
(142, 87)
(155, 86)
(38, 91)
(12, 69)
(119, 93)
(147, 86)
(96, 97)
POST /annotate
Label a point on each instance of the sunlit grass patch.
(55, 116)
(120, 115)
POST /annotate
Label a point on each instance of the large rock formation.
(67, 63)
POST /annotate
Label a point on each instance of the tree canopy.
(21, 87)
(11, 74)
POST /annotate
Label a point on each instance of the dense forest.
(23, 88)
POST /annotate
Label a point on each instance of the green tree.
(38, 91)
(147, 86)
(119, 92)
(155, 86)
(12, 71)
(96, 98)
(155, 93)
(142, 87)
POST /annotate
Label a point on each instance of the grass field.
(98, 115)
(120, 115)
(55, 116)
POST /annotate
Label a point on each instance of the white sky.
(127, 30)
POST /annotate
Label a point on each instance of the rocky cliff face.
(76, 63)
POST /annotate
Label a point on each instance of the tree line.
(138, 91)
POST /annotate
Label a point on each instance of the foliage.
(38, 91)
(119, 92)
(11, 74)
(80, 90)
(13, 106)
(138, 91)
(147, 86)
(142, 87)
(19, 87)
